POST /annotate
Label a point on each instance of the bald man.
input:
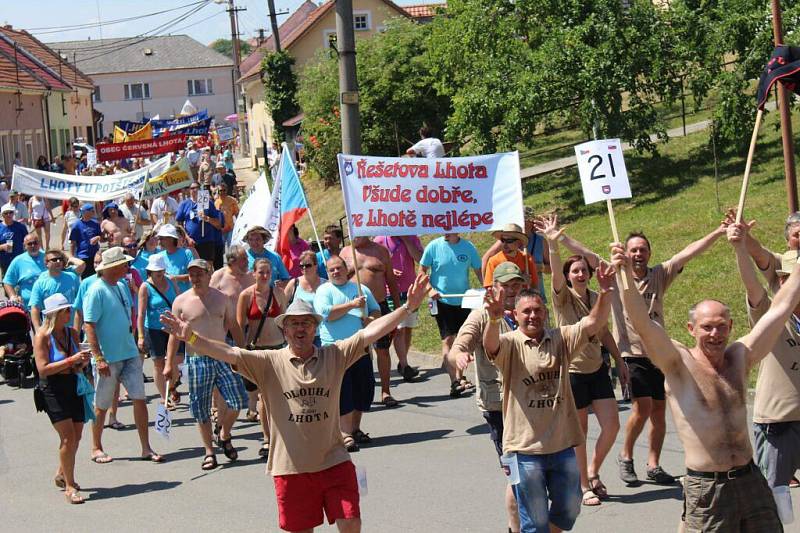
(706, 387)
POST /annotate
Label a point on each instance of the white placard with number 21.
(602, 170)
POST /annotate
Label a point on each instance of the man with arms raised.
(540, 421)
(311, 469)
(707, 384)
(375, 269)
(208, 312)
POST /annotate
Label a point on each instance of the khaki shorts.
(722, 505)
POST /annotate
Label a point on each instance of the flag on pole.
(288, 205)
(252, 212)
(783, 66)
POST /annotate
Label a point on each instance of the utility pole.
(237, 59)
(273, 21)
(786, 119)
(348, 81)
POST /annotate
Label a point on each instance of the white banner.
(602, 170)
(252, 212)
(85, 188)
(415, 196)
(176, 177)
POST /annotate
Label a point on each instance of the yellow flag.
(119, 135)
(142, 134)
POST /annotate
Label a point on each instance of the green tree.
(396, 97)
(225, 47)
(280, 86)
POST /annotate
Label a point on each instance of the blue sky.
(209, 23)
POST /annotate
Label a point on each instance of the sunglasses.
(32, 243)
(130, 246)
(508, 241)
(306, 265)
(55, 260)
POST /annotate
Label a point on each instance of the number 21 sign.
(602, 170)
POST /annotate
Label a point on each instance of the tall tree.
(225, 47)
(280, 87)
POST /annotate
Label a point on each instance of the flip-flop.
(102, 458)
(389, 402)
(73, 497)
(116, 424)
(153, 457)
(61, 483)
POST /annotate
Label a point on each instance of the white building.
(143, 77)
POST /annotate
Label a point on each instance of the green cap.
(507, 271)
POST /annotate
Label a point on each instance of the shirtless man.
(706, 387)
(375, 269)
(208, 312)
(114, 225)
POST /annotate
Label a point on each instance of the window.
(96, 94)
(137, 91)
(199, 87)
(361, 21)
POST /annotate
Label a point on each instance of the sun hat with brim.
(167, 230)
(156, 263)
(298, 308)
(55, 303)
(198, 263)
(7, 208)
(258, 229)
(788, 260)
(113, 257)
(510, 230)
(506, 271)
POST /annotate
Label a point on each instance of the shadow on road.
(672, 493)
(480, 429)
(408, 438)
(101, 493)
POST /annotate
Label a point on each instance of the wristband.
(408, 309)
(192, 338)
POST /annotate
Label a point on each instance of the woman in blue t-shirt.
(148, 245)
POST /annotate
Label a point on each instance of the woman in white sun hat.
(60, 364)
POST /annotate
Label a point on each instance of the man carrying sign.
(311, 469)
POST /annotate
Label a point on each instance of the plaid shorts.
(206, 373)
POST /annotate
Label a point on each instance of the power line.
(89, 25)
(198, 22)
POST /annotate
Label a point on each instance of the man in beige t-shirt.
(301, 385)
(540, 422)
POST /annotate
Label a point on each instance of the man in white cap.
(107, 315)
(12, 235)
(207, 311)
(301, 383)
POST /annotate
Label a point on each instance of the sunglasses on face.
(32, 243)
(55, 260)
(130, 246)
(508, 241)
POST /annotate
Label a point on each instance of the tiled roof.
(130, 54)
(423, 10)
(13, 78)
(251, 65)
(26, 62)
(49, 57)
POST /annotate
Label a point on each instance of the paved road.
(431, 468)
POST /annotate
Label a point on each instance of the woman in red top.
(256, 311)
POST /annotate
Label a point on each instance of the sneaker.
(408, 372)
(626, 471)
(658, 475)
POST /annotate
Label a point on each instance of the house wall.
(60, 131)
(259, 120)
(168, 92)
(21, 131)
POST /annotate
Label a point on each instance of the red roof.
(10, 80)
(21, 57)
(418, 11)
(49, 57)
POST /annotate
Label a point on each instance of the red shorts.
(303, 497)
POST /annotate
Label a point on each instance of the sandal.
(361, 437)
(209, 462)
(590, 499)
(74, 497)
(350, 443)
(264, 451)
(228, 449)
(116, 424)
(61, 483)
(251, 416)
(597, 486)
(175, 396)
(456, 389)
(102, 458)
(153, 457)
(793, 483)
(390, 402)
(467, 384)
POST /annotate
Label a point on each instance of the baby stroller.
(16, 362)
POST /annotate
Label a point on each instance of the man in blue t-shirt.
(12, 235)
(203, 226)
(85, 237)
(344, 312)
(107, 312)
(448, 259)
(256, 237)
(54, 280)
(23, 271)
(332, 240)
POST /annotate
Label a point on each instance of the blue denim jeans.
(552, 477)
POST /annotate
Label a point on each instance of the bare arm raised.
(737, 236)
(696, 248)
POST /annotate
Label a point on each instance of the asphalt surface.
(431, 468)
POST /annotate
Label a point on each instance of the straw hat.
(113, 257)
(55, 303)
(788, 260)
(509, 231)
(298, 308)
